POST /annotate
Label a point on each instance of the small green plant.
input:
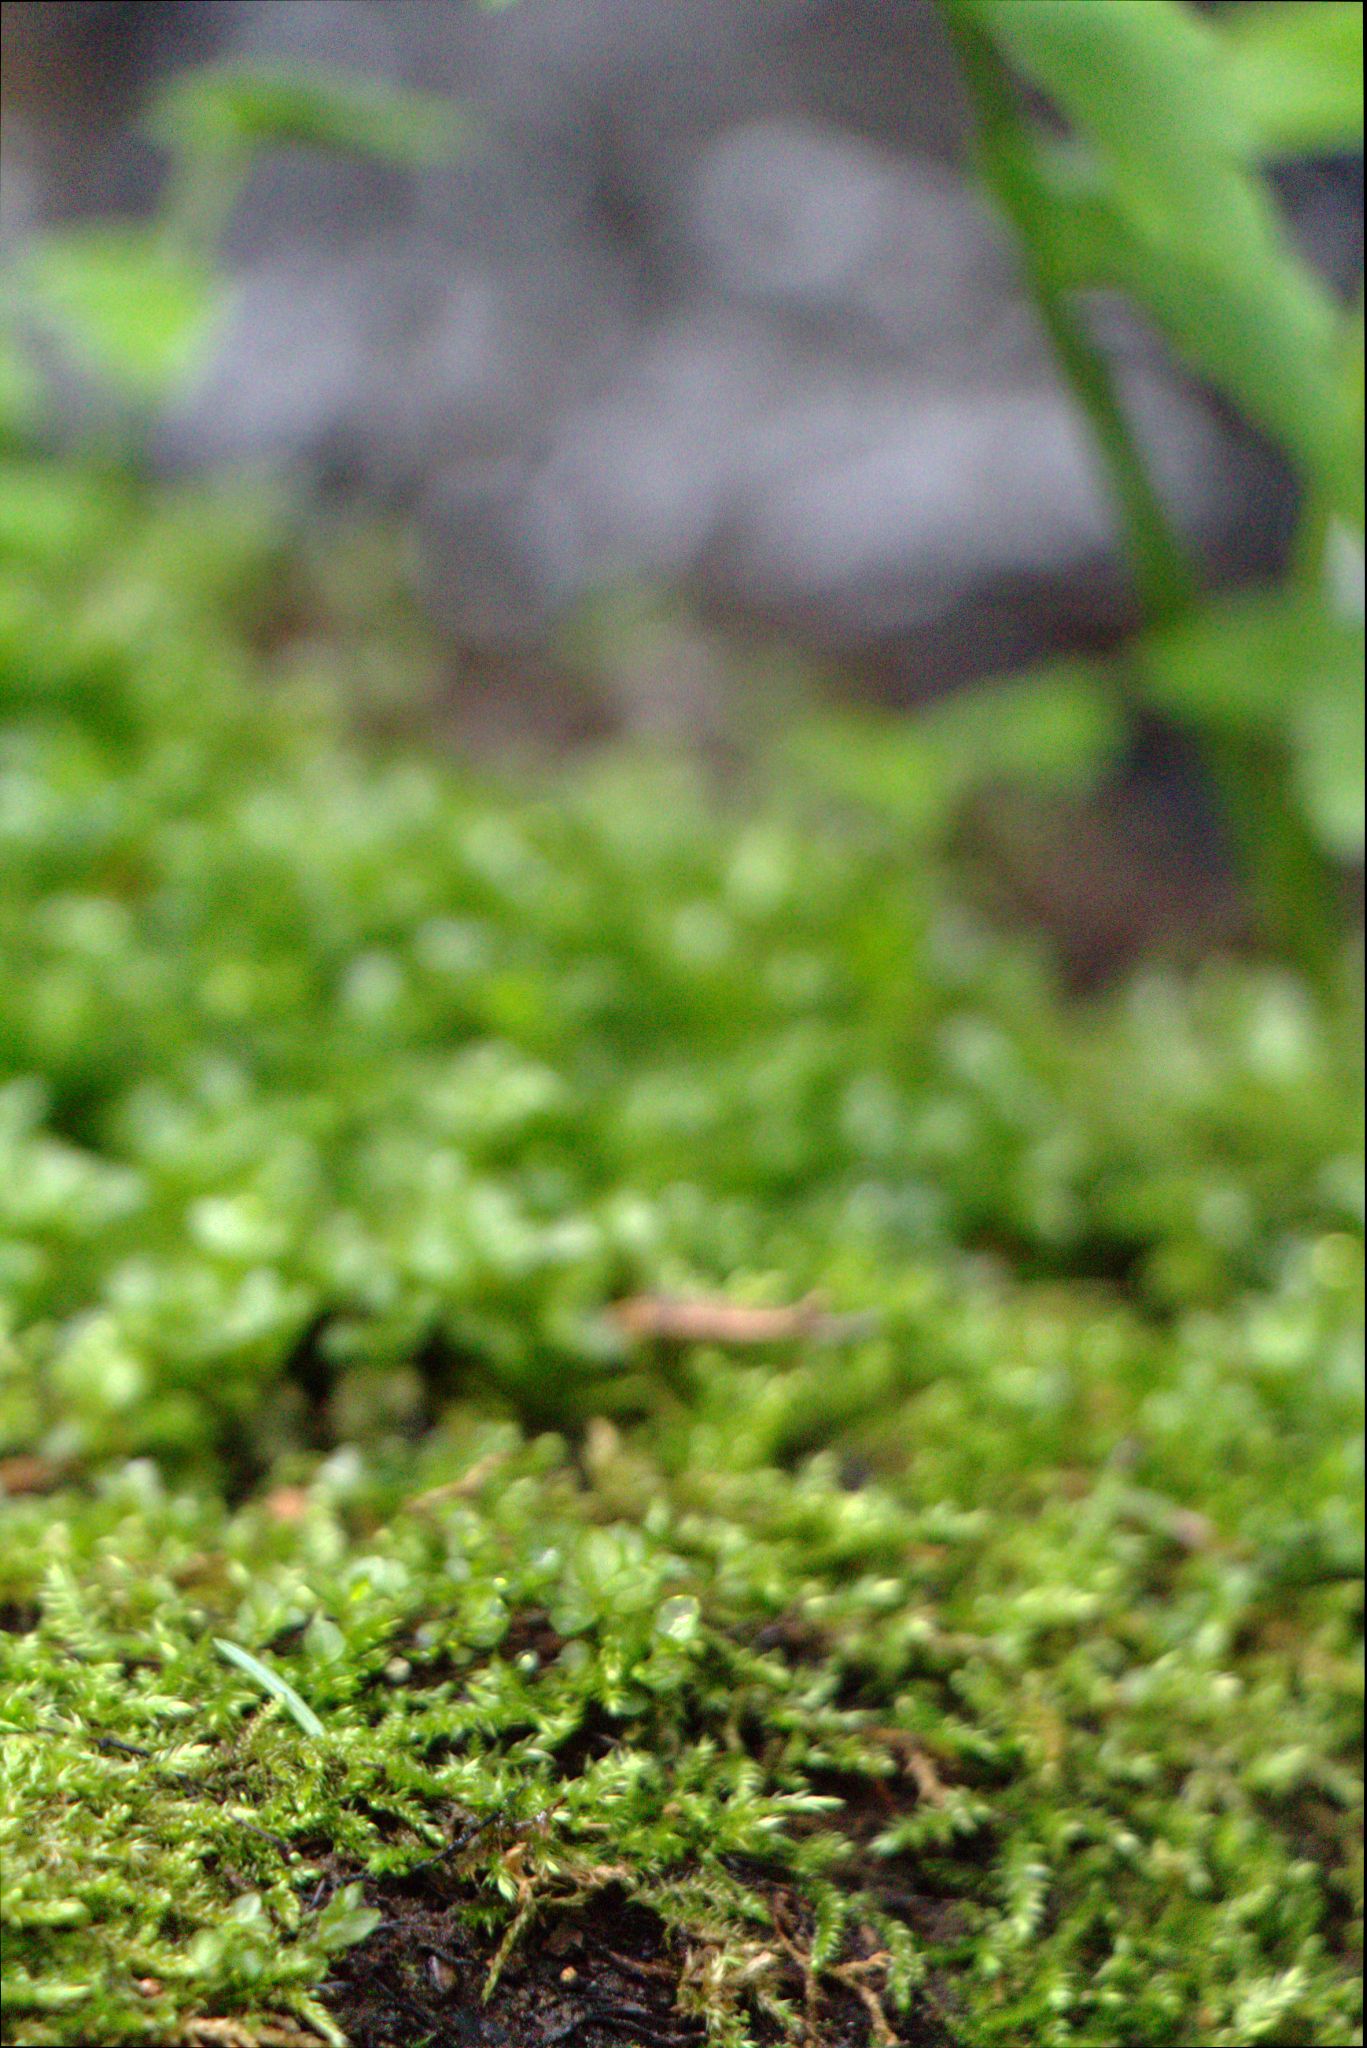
(1155, 190)
(140, 304)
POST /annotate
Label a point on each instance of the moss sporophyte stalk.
(613, 1416)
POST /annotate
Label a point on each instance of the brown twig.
(463, 1488)
(713, 1320)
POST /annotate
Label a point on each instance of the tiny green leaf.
(1058, 730)
(1296, 73)
(224, 110)
(1247, 665)
(346, 1919)
(271, 1682)
(137, 310)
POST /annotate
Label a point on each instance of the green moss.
(1014, 1636)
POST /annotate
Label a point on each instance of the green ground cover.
(975, 1661)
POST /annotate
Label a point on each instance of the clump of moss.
(1080, 1767)
(975, 1661)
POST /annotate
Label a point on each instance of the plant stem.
(1291, 881)
(1294, 886)
(1164, 577)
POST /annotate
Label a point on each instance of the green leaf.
(1275, 352)
(346, 1919)
(139, 311)
(1295, 72)
(271, 1682)
(1057, 731)
(879, 763)
(53, 515)
(1285, 666)
(224, 110)
(1144, 80)
(1328, 751)
(1180, 219)
(1252, 664)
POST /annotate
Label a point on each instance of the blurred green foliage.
(130, 305)
(1157, 191)
(231, 112)
(1295, 73)
(342, 1096)
(310, 1050)
(1057, 733)
(1163, 164)
(140, 304)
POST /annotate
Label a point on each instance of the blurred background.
(703, 370)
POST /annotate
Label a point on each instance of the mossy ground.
(978, 1665)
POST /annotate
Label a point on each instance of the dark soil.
(603, 1971)
(599, 1974)
(596, 1976)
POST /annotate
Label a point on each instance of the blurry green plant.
(306, 1054)
(140, 303)
(1156, 191)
